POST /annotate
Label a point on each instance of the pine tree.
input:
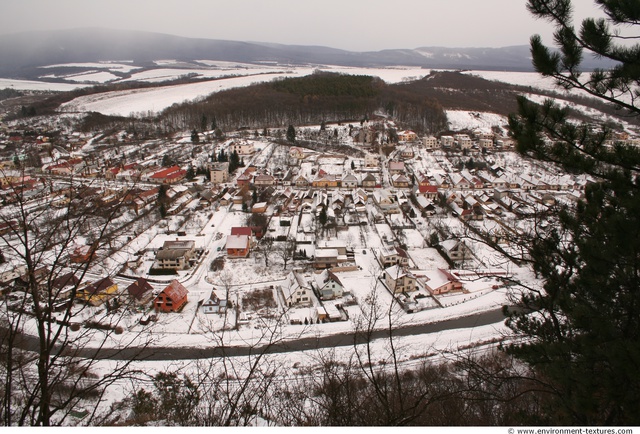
(581, 329)
(291, 134)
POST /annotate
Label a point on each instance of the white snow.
(143, 101)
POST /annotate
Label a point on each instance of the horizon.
(357, 26)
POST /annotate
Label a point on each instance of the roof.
(175, 290)
(166, 172)
(68, 279)
(98, 286)
(241, 230)
(237, 242)
(139, 288)
(179, 244)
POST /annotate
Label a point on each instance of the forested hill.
(320, 97)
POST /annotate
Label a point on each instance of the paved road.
(330, 341)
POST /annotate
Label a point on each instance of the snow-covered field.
(143, 101)
(462, 120)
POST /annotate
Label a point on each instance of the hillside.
(319, 97)
(22, 55)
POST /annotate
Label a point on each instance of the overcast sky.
(357, 25)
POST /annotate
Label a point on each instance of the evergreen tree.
(291, 134)
(203, 122)
(581, 329)
(195, 137)
(190, 173)
(234, 161)
(214, 124)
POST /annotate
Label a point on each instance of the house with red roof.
(172, 298)
(169, 175)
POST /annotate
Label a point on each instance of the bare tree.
(46, 370)
(285, 250)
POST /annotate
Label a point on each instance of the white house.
(296, 291)
(328, 285)
(398, 280)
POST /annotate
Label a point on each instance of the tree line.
(314, 99)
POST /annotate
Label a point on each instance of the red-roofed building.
(172, 298)
(241, 230)
(427, 189)
(169, 175)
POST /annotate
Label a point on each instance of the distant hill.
(22, 53)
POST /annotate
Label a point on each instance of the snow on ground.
(163, 74)
(143, 101)
(88, 77)
(532, 79)
(389, 75)
(38, 85)
(110, 66)
(593, 113)
(462, 120)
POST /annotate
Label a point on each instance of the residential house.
(400, 181)
(349, 181)
(264, 180)
(295, 291)
(396, 168)
(242, 148)
(430, 142)
(213, 304)
(296, 153)
(447, 141)
(244, 180)
(301, 182)
(172, 298)
(98, 292)
(140, 291)
(71, 166)
(464, 141)
(82, 254)
(456, 250)
(428, 190)
(485, 143)
(219, 173)
(176, 254)
(398, 280)
(169, 175)
(458, 181)
(238, 246)
(386, 201)
(407, 136)
(407, 153)
(393, 256)
(371, 160)
(441, 281)
(369, 182)
(327, 285)
(326, 258)
(324, 180)
(62, 288)
(260, 207)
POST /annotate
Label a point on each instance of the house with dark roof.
(176, 254)
(98, 292)
(140, 291)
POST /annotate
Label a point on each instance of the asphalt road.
(329, 341)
